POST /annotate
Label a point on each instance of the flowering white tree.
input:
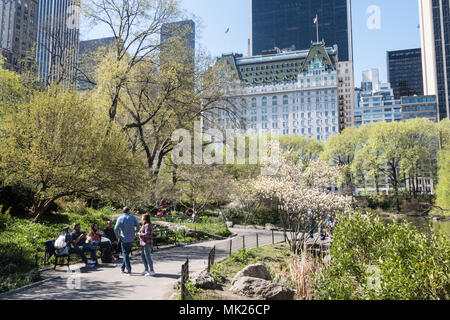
(298, 188)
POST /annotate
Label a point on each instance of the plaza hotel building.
(285, 92)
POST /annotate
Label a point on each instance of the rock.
(204, 280)
(255, 287)
(270, 227)
(229, 224)
(257, 270)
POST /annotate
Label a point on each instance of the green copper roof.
(280, 68)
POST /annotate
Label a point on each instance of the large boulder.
(260, 288)
(257, 270)
(204, 280)
(229, 224)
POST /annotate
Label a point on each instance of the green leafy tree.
(57, 144)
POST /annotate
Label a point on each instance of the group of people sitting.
(126, 230)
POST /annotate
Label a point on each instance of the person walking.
(126, 228)
(146, 242)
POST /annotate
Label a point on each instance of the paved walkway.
(107, 283)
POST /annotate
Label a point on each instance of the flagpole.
(317, 27)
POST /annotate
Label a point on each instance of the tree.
(136, 25)
(297, 189)
(443, 186)
(56, 143)
(340, 150)
(302, 148)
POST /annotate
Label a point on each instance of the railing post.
(243, 242)
(273, 238)
(257, 240)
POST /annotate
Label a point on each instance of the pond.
(424, 223)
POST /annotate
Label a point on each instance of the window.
(275, 101)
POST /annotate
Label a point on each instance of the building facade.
(435, 43)
(287, 23)
(57, 41)
(419, 107)
(293, 92)
(376, 101)
(346, 90)
(18, 27)
(87, 48)
(404, 69)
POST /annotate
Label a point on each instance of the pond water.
(425, 223)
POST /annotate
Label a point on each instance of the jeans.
(147, 258)
(87, 247)
(80, 252)
(126, 250)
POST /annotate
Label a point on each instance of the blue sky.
(399, 29)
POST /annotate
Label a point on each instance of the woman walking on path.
(146, 241)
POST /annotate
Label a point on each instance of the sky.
(398, 29)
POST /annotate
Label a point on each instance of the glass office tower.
(287, 23)
(405, 72)
(435, 38)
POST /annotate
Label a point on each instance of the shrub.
(374, 260)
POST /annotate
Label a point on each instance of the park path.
(107, 283)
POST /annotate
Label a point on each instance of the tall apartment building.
(404, 69)
(419, 107)
(346, 91)
(287, 23)
(57, 41)
(291, 92)
(435, 43)
(377, 102)
(18, 26)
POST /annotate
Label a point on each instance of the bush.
(16, 198)
(374, 260)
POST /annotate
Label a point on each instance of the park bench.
(51, 251)
(162, 234)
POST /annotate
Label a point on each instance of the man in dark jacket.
(108, 232)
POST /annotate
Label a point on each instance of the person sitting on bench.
(79, 239)
(108, 232)
(73, 248)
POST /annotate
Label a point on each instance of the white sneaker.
(152, 273)
(145, 273)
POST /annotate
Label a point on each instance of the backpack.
(61, 243)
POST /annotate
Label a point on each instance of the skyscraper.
(184, 31)
(18, 21)
(57, 41)
(404, 69)
(85, 65)
(284, 23)
(435, 42)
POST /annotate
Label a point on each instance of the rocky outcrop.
(257, 270)
(204, 280)
(260, 288)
